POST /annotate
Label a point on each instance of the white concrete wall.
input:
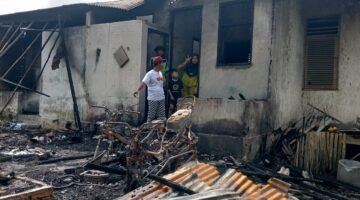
(107, 83)
(288, 99)
(344, 102)
(104, 83)
(216, 82)
(286, 73)
(231, 126)
(14, 106)
(55, 82)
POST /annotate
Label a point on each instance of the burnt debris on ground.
(154, 161)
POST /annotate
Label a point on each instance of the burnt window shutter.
(321, 57)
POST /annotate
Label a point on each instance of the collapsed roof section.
(120, 4)
(75, 14)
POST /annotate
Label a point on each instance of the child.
(175, 88)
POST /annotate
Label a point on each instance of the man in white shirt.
(155, 87)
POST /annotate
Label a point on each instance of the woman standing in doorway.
(190, 78)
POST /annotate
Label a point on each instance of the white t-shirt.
(154, 82)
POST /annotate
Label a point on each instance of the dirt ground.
(50, 145)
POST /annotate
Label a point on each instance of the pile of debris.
(14, 187)
(155, 161)
(316, 143)
(204, 181)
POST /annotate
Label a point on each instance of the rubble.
(23, 188)
(202, 178)
(316, 143)
(155, 161)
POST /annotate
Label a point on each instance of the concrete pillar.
(89, 18)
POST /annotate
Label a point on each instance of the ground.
(62, 145)
(23, 152)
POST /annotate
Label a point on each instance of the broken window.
(321, 54)
(235, 33)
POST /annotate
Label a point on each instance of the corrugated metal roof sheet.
(120, 4)
(202, 177)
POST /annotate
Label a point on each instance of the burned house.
(262, 62)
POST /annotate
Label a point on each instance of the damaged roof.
(120, 4)
(114, 10)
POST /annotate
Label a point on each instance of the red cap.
(157, 60)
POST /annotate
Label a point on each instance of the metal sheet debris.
(202, 177)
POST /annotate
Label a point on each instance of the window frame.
(334, 86)
(219, 50)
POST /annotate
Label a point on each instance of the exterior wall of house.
(230, 126)
(344, 102)
(286, 73)
(223, 82)
(288, 99)
(102, 83)
(14, 106)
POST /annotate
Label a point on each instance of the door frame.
(173, 12)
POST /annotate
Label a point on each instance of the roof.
(120, 4)
(74, 10)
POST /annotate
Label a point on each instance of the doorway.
(156, 37)
(186, 35)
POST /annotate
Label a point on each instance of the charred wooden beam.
(324, 192)
(27, 28)
(71, 82)
(279, 176)
(25, 74)
(7, 42)
(23, 87)
(123, 171)
(6, 34)
(25, 51)
(66, 159)
(12, 42)
(325, 113)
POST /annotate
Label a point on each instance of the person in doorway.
(191, 76)
(160, 51)
(174, 91)
(156, 96)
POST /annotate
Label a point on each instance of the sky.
(12, 6)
